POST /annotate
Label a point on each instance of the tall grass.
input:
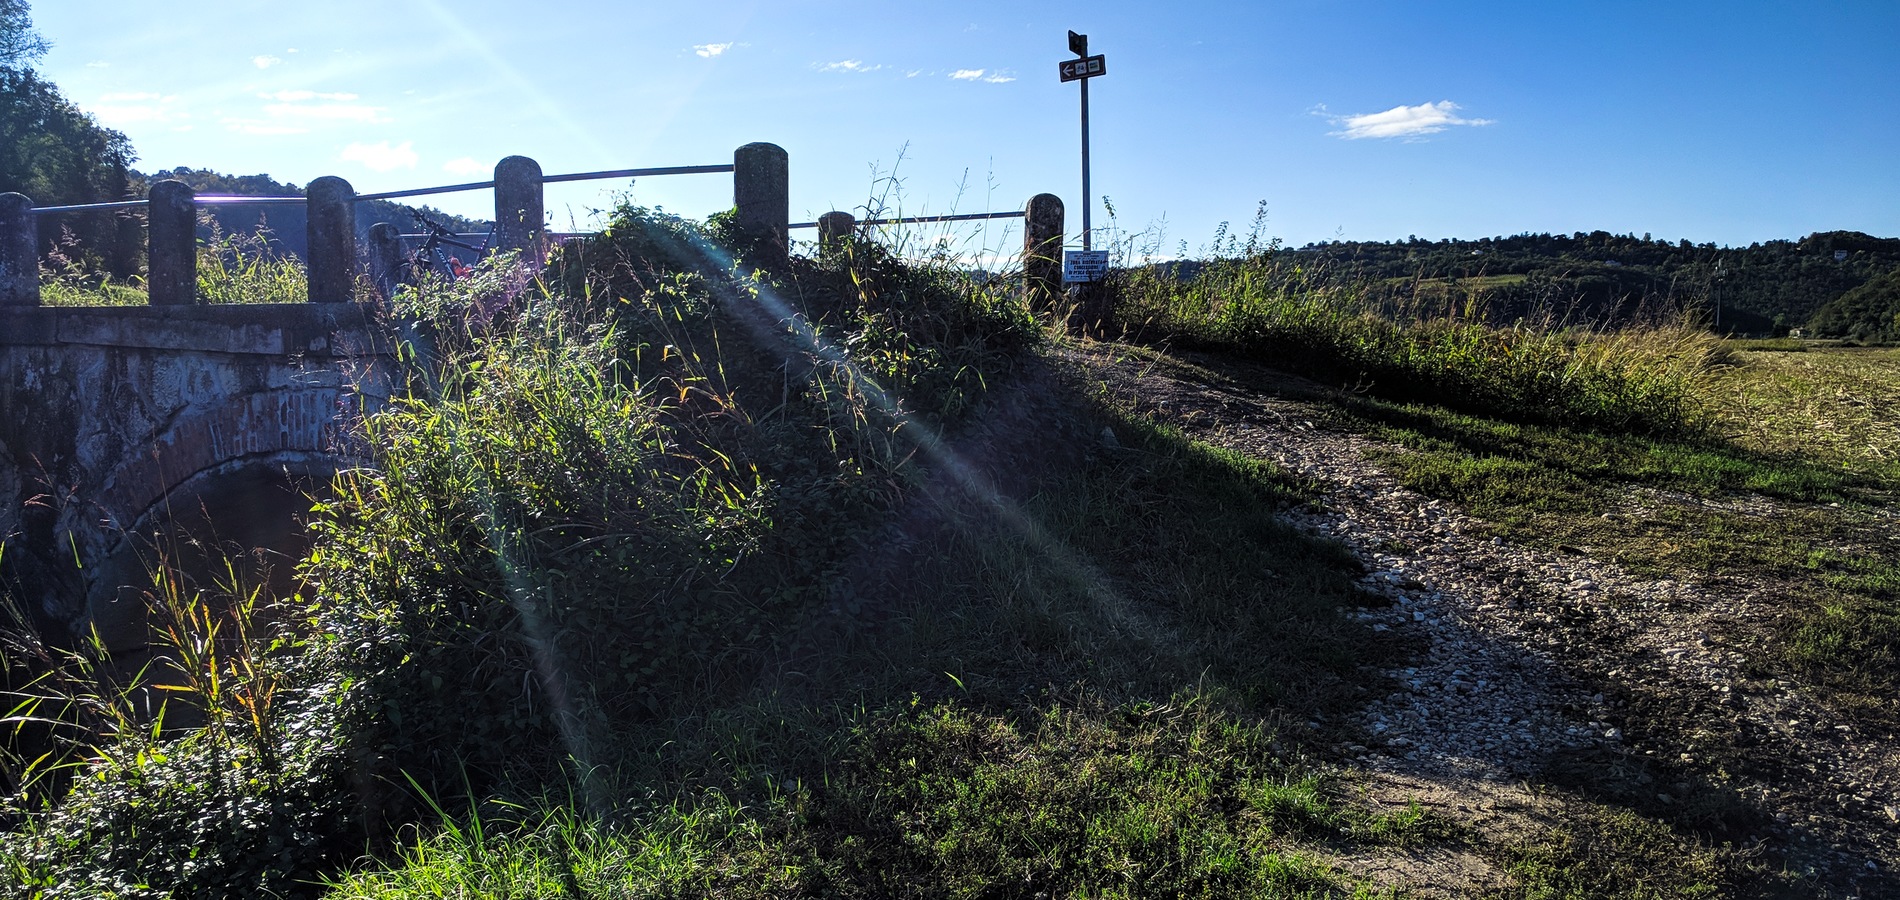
(235, 267)
(242, 267)
(1632, 379)
(193, 771)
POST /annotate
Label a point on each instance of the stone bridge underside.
(134, 434)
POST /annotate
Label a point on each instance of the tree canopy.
(56, 154)
(1870, 312)
(1597, 276)
(19, 43)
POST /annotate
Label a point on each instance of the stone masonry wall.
(104, 412)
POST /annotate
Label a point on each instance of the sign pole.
(1087, 264)
(1088, 199)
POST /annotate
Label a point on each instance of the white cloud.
(140, 107)
(708, 51)
(296, 112)
(263, 128)
(847, 65)
(1402, 121)
(466, 165)
(381, 156)
(98, 64)
(984, 75)
(265, 62)
(305, 96)
(335, 112)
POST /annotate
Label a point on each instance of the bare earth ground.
(1548, 676)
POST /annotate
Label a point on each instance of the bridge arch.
(229, 483)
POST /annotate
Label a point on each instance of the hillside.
(286, 224)
(1763, 289)
(1870, 312)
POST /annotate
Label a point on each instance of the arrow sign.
(1088, 67)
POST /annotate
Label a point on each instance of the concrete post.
(520, 217)
(1042, 251)
(386, 258)
(833, 229)
(171, 244)
(128, 242)
(761, 194)
(331, 229)
(19, 252)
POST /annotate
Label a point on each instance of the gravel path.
(1555, 666)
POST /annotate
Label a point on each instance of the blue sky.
(1359, 119)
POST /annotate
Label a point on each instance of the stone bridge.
(131, 434)
(192, 436)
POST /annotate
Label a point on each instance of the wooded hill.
(1763, 288)
(286, 224)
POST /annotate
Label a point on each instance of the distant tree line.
(57, 155)
(1766, 287)
(284, 226)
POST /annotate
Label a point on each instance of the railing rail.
(761, 200)
(88, 207)
(551, 179)
(925, 220)
(760, 183)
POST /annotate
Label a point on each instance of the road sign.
(1078, 44)
(1084, 265)
(1087, 67)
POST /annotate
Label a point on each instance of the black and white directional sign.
(1086, 67)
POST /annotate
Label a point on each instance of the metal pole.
(1088, 200)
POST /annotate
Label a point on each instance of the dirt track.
(1553, 668)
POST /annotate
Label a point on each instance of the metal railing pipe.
(642, 173)
(86, 207)
(924, 220)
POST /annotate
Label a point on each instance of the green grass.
(1631, 380)
(73, 293)
(1608, 854)
(1086, 709)
(1837, 406)
(940, 800)
(232, 268)
(1758, 345)
(1683, 507)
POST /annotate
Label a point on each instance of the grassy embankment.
(660, 589)
(677, 578)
